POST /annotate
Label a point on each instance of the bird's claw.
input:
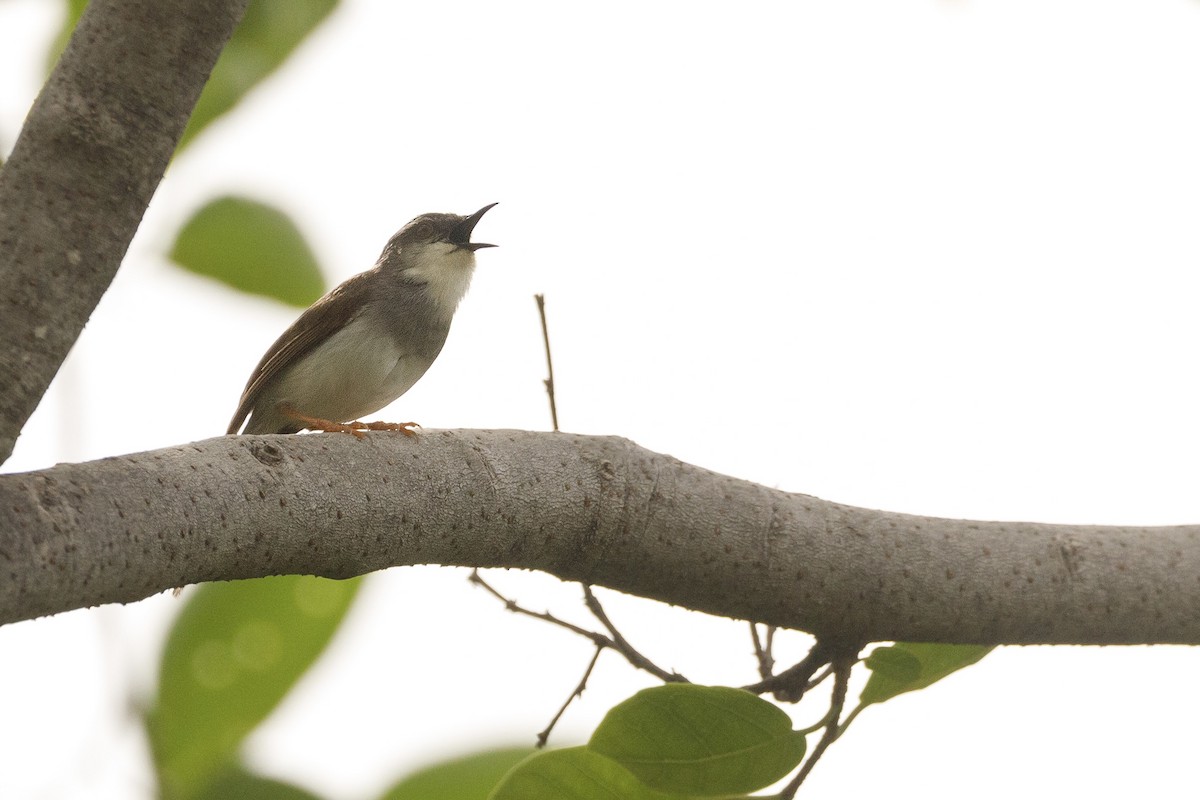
(356, 427)
(403, 427)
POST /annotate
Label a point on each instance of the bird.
(369, 340)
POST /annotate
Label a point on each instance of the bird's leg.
(354, 427)
(318, 424)
(404, 427)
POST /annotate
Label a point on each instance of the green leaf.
(237, 784)
(573, 773)
(906, 667)
(251, 247)
(700, 740)
(267, 35)
(468, 778)
(231, 656)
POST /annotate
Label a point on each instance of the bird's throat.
(446, 272)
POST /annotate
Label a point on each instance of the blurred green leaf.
(267, 35)
(231, 656)
(468, 778)
(237, 784)
(573, 773)
(700, 740)
(74, 10)
(906, 667)
(253, 248)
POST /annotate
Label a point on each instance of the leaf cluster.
(238, 648)
(682, 740)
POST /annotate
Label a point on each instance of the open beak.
(460, 234)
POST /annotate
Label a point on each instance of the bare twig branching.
(823, 659)
(623, 646)
(598, 639)
(587, 673)
(616, 642)
(549, 382)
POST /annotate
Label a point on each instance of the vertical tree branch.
(93, 149)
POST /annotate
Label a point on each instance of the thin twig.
(598, 639)
(762, 652)
(622, 644)
(815, 680)
(549, 382)
(587, 673)
(853, 715)
(841, 683)
(617, 643)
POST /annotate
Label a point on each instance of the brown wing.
(320, 320)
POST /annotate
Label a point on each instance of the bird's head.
(436, 250)
(437, 235)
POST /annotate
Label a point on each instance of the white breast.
(359, 373)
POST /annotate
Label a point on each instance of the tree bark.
(594, 509)
(599, 510)
(93, 149)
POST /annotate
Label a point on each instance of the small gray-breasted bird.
(368, 341)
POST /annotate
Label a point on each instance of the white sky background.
(933, 257)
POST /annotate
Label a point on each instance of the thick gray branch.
(88, 159)
(600, 510)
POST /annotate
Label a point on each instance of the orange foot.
(354, 427)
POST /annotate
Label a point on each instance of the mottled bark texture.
(599, 510)
(93, 149)
(594, 509)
